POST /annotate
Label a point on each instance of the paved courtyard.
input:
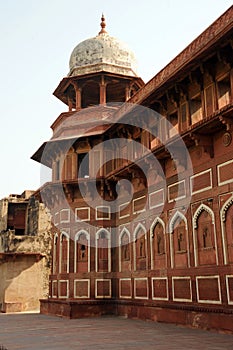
(35, 331)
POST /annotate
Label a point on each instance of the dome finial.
(103, 25)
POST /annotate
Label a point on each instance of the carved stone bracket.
(227, 122)
(205, 142)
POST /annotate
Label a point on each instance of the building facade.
(142, 187)
(25, 251)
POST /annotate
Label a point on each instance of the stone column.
(70, 104)
(127, 93)
(78, 97)
(102, 91)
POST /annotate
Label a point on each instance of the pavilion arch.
(64, 252)
(98, 236)
(202, 207)
(181, 217)
(223, 217)
(76, 238)
(123, 232)
(55, 253)
(135, 242)
(156, 221)
(90, 99)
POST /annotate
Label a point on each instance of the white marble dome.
(102, 53)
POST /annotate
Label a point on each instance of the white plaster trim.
(79, 209)
(135, 282)
(159, 278)
(65, 221)
(204, 188)
(177, 198)
(109, 248)
(230, 302)
(88, 288)
(123, 296)
(110, 287)
(154, 223)
(220, 183)
(204, 301)
(67, 289)
(77, 235)
(173, 288)
(159, 204)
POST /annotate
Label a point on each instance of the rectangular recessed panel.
(159, 288)
(139, 204)
(201, 182)
(82, 214)
(103, 288)
(208, 289)
(63, 289)
(141, 288)
(156, 198)
(229, 283)
(81, 288)
(54, 289)
(102, 213)
(125, 290)
(176, 191)
(225, 172)
(65, 215)
(181, 287)
(124, 210)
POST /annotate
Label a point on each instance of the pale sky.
(37, 38)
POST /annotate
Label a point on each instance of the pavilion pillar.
(78, 97)
(102, 91)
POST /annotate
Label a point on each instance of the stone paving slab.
(40, 332)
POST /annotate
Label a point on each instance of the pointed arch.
(198, 251)
(137, 229)
(179, 241)
(224, 225)
(155, 222)
(140, 248)
(160, 259)
(225, 207)
(76, 239)
(174, 218)
(64, 252)
(55, 254)
(124, 231)
(126, 247)
(102, 233)
(199, 211)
